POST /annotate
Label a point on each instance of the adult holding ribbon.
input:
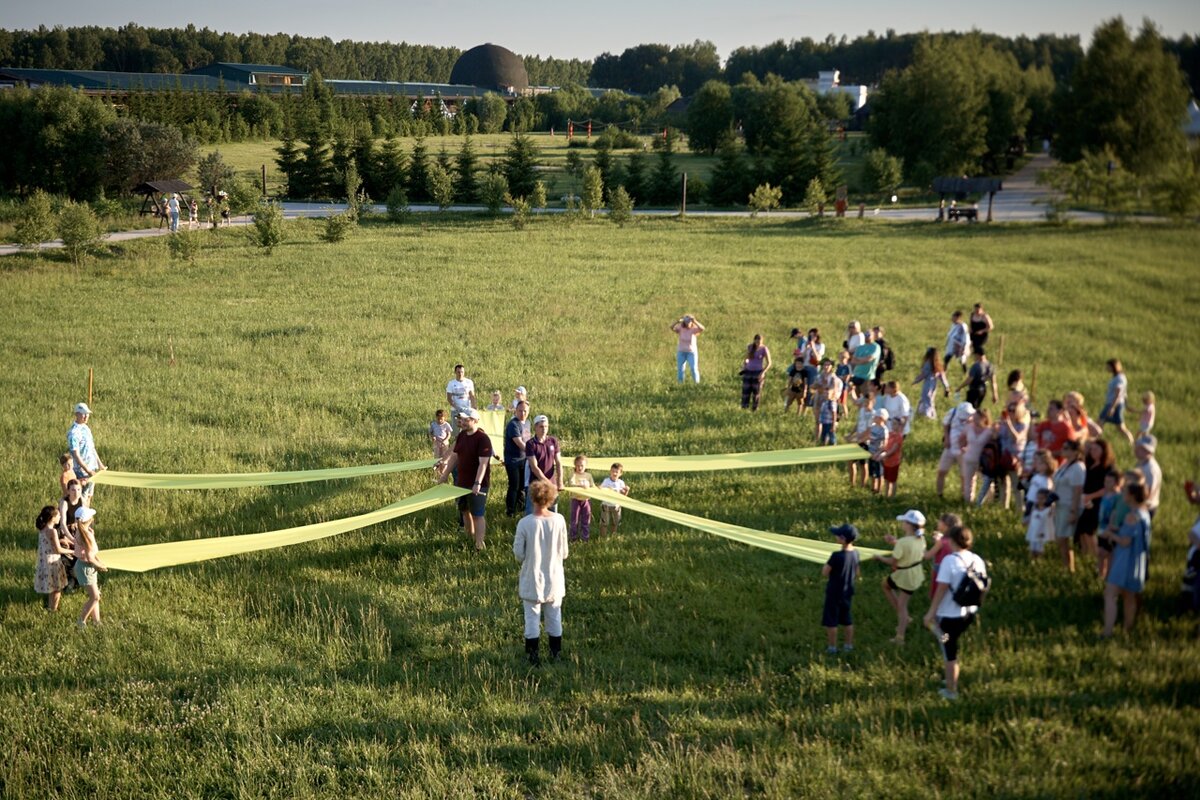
(460, 391)
(541, 459)
(473, 456)
(688, 329)
(82, 448)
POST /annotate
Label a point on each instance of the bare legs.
(91, 609)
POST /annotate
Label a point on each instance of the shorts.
(473, 502)
(950, 458)
(896, 588)
(836, 612)
(1064, 530)
(875, 468)
(609, 515)
(1116, 416)
(859, 382)
(891, 474)
(88, 488)
(86, 574)
(865, 448)
(952, 629)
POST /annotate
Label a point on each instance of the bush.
(493, 190)
(620, 206)
(338, 226)
(267, 231)
(764, 198)
(184, 245)
(520, 207)
(79, 229)
(614, 138)
(35, 223)
(814, 196)
(441, 186)
(397, 204)
(538, 198)
(593, 191)
(243, 196)
(881, 173)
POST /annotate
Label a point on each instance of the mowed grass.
(389, 660)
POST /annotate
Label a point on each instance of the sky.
(586, 29)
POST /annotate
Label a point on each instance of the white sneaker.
(946, 694)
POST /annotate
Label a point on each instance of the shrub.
(881, 173)
(267, 231)
(184, 246)
(521, 208)
(441, 186)
(397, 204)
(35, 221)
(614, 138)
(593, 191)
(537, 199)
(814, 196)
(493, 190)
(620, 206)
(79, 229)
(337, 227)
(243, 196)
(213, 173)
(764, 198)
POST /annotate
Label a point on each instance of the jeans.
(690, 360)
(828, 433)
(514, 498)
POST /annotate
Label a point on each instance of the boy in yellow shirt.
(906, 562)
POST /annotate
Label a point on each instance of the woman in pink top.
(688, 328)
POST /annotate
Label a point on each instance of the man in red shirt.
(1054, 431)
(472, 454)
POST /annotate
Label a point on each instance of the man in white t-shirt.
(897, 405)
(953, 425)
(957, 339)
(460, 392)
(855, 337)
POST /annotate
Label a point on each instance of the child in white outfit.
(1041, 523)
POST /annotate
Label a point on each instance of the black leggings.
(751, 389)
(952, 628)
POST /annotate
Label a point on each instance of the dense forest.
(644, 68)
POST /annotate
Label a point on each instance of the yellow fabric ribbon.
(241, 480)
(168, 554)
(765, 458)
(805, 549)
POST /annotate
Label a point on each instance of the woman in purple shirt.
(754, 370)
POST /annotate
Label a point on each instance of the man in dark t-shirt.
(542, 454)
(516, 434)
(472, 455)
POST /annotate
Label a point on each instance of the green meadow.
(389, 660)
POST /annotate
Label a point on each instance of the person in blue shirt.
(842, 570)
(1131, 555)
(1115, 399)
(516, 434)
(82, 448)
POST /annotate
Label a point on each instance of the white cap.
(84, 513)
(470, 413)
(521, 390)
(966, 408)
(539, 419)
(82, 408)
(913, 517)
(882, 413)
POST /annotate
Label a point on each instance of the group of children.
(68, 555)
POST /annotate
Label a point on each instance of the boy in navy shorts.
(842, 570)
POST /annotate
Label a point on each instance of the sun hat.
(82, 408)
(539, 419)
(882, 413)
(1148, 442)
(847, 532)
(913, 517)
(84, 513)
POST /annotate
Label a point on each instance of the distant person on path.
(907, 575)
(687, 352)
(193, 213)
(50, 577)
(929, 377)
(516, 434)
(82, 447)
(472, 455)
(88, 565)
(957, 339)
(460, 391)
(864, 361)
(754, 371)
(980, 325)
(842, 570)
(1130, 560)
(947, 618)
(541, 459)
(173, 210)
(979, 378)
(540, 545)
(1115, 398)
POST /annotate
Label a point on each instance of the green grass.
(389, 660)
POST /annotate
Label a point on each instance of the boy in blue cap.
(842, 571)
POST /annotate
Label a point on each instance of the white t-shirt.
(951, 572)
(956, 341)
(1153, 473)
(460, 392)
(855, 341)
(957, 421)
(617, 486)
(899, 406)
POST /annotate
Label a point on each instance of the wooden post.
(1033, 385)
(991, 197)
(683, 196)
(264, 180)
(1000, 355)
(89, 386)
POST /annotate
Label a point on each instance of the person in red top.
(892, 455)
(472, 455)
(1054, 431)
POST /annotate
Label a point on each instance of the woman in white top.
(689, 329)
(1068, 485)
(540, 545)
(947, 619)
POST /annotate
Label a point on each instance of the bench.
(969, 214)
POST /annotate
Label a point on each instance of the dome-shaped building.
(493, 67)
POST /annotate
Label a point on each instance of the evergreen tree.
(730, 181)
(444, 161)
(635, 176)
(603, 161)
(664, 183)
(288, 157)
(316, 176)
(822, 156)
(418, 171)
(387, 169)
(466, 187)
(520, 165)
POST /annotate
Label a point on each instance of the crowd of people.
(172, 206)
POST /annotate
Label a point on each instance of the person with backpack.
(962, 583)
(887, 357)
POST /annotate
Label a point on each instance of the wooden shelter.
(153, 190)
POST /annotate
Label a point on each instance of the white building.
(830, 81)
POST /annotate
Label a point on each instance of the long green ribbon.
(804, 549)
(241, 480)
(766, 458)
(168, 554)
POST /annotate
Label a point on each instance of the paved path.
(1022, 200)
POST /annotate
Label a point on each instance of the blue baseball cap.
(847, 532)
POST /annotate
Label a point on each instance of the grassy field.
(389, 660)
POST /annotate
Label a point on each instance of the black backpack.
(989, 460)
(972, 587)
(887, 358)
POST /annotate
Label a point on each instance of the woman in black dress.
(979, 326)
(1099, 458)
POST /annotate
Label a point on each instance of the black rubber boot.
(555, 647)
(531, 650)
